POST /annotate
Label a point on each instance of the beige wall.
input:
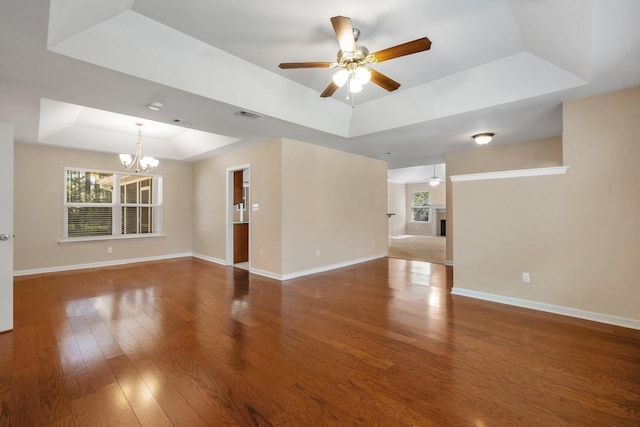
(334, 207)
(265, 189)
(38, 187)
(397, 204)
(576, 234)
(523, 155)
(312, 200)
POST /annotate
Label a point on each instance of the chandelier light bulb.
(149, 162)
(125, 159)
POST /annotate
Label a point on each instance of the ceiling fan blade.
(384, 81)
(287, 65)
(408, 48)
(344, 33)
(329, 90)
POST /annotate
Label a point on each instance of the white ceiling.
(502, 66)
(417, 174)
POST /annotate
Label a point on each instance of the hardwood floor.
(185, 342)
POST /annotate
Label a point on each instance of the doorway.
(416, 205)
(238, 217)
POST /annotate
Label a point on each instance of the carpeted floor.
(418, 247)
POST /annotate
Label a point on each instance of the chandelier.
(138, 163)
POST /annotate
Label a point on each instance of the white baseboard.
(96, 264)
(283, 277)
(251, 270)
(331, 267)
(550, 308)
(210, 259)
(265, 273)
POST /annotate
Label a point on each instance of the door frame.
(6, 226)
(229, 212)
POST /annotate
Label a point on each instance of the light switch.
(255, 207)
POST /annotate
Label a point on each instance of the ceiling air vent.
(248, 114)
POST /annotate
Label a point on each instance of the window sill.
(102, 238)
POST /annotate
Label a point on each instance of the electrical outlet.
(109, 250)
(317, 252)
(526, 277)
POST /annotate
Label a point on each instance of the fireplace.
(437, 213)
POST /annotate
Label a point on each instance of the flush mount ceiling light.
(483, 138)
(138, 163)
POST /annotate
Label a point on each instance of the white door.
(6, 227)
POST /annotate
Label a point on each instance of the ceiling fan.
(434, 181)
(353, 60)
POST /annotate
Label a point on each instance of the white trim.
(265, 273)
(116, 205)
(97, 264)
(209, 259)
(120, 172)
(550, 308)
(68, 240)
(330, 267)
(251, 270)
(283, 277)
(557, 170)
(448, 263)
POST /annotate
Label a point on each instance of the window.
(420, 206)
(106, 204)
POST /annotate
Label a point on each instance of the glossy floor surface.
(383, 343)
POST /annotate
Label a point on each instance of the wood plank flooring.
(383, 343)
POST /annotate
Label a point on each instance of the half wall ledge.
(519, 173)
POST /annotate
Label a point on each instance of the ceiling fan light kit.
(354, 60)
(434, 181)
(483, 138)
